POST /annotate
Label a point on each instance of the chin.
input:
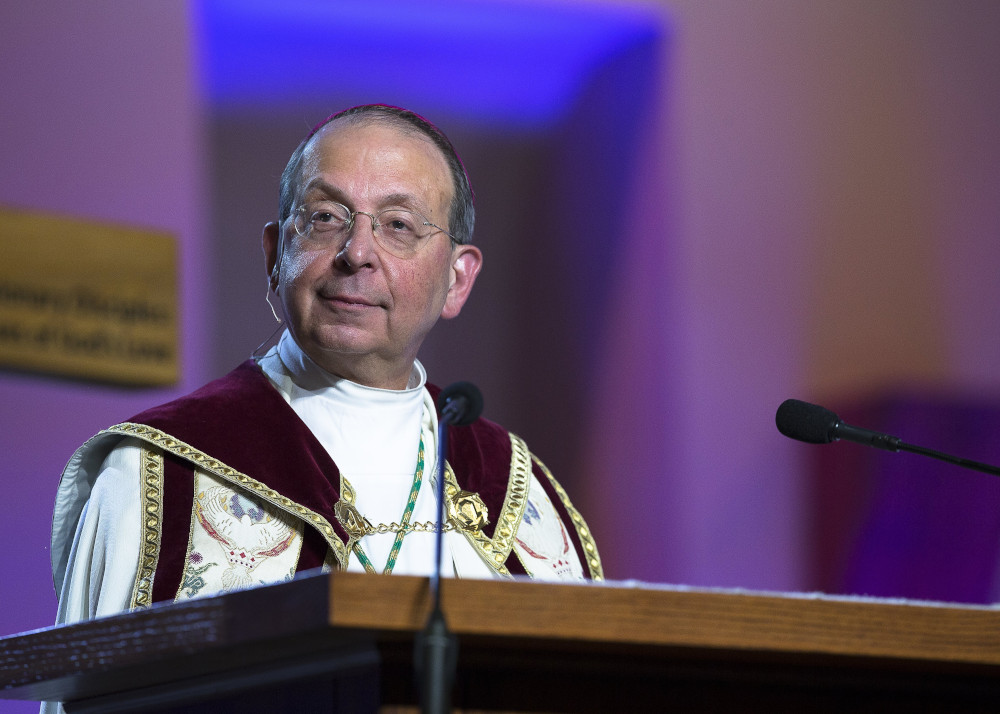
(331, 345)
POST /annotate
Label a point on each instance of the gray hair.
(462, 214)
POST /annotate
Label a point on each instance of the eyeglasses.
(398, 231)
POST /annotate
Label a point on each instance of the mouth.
(347, 300)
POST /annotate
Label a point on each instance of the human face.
(355, 309)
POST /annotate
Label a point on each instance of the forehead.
(367, 158)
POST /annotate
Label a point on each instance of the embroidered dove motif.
(246, 531)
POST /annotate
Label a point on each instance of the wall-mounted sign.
(87, 300)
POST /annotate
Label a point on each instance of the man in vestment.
(321, 453)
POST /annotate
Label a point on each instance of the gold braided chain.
(418, 526)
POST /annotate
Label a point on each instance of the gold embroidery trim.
(192, 524)
(347, 496)
(151, 503)
(214, 466)
(478, 539)
(586, 539)
(497, 550)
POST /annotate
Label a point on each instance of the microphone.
(814, 424)
(460, 404)
(436, 648)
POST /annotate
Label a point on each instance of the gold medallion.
(469, 511)
(356, 525)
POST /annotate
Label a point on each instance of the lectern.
(344, 643)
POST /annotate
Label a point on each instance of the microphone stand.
(436, 647)
(956, 460)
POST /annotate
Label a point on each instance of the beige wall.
(840, 161)
(834, 175)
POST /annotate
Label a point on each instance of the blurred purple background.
(690, 211)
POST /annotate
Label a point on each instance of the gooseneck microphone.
(460, 404)
(814, 424)
(436, 649)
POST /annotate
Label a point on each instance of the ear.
(467, 261)
(271, 244)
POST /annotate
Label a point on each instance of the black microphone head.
(465, 400)
(806, 422)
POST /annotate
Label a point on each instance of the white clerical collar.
(310, 376)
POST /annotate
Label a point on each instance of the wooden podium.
(344, 642)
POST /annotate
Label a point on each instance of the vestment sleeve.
(104, 558)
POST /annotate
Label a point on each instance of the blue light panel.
(514, 63)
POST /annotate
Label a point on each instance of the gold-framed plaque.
(88, 300)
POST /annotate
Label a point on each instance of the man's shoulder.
(220, 397)
(240, 420)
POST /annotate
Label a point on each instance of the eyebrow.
(401, 200)
(321, 186)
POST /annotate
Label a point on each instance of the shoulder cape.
(240, 428)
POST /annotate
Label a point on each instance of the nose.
(358, 249)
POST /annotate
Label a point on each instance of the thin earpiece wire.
(281, 323)
(267, 297)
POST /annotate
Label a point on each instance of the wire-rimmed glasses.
(400, 231)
